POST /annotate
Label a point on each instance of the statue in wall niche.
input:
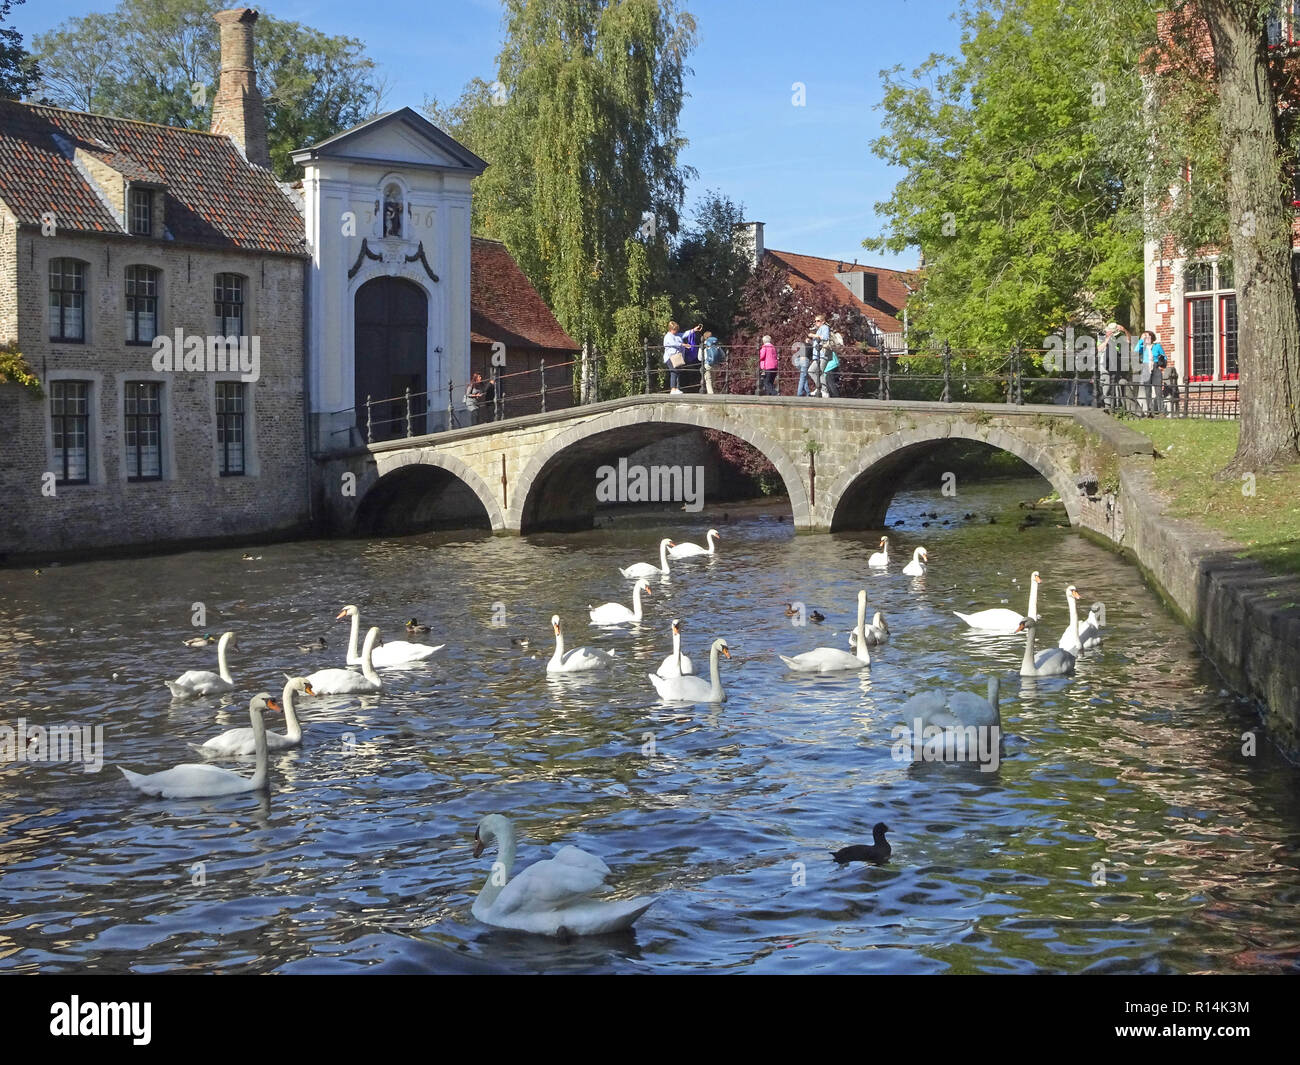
(392, 213)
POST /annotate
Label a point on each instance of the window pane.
(69, 425)
(1225, 273)
(1229, 339)
(228, 305)
(1197, 277)
(1200, 336)
(141, 304)
(230, 426)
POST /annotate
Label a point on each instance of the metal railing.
(946, 376)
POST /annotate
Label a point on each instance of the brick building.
(130, 256)
(114, 233)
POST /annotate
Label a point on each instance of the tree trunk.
(1261, 219)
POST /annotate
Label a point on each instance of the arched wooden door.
(390, 356)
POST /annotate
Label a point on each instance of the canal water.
(1123, 831)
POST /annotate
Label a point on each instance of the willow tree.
(580, 129)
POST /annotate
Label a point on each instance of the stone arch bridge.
(841, 461)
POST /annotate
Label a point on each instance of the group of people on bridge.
(691, 357)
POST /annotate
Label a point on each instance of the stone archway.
(885, 457)
(625, 422)
(407, 472)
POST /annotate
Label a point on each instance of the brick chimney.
(237, 110)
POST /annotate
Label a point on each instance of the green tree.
(708, 268)
(158, 60)
(585, 185)
(1020, 215)
(18, 74)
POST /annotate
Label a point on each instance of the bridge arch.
(415, 483)
(868, 483)
(630, 429)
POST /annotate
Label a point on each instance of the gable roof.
(505, 307)
(214, 196)
(892, 286)
(465, 159)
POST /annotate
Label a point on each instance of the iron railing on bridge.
(946, 376)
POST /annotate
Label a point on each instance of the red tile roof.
(505, 307)
(892, 286)
(213, 195)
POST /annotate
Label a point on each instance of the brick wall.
(191, 502)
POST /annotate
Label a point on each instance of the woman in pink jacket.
(767, 363)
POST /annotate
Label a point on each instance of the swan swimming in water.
(204, 682)
(1070, 640)
(394, 653)
(191, 781)
(691, 689)
(877, 632)
(1090, 630)
(241, 742)
(694, 550)
(1000, 618)
(881, 557)
(617, 613)
(349, 681)
(579, 660)
(676, 664)
(552, 897)
(644, 569)
(1053, 662)
(916, 568)
(832, 659)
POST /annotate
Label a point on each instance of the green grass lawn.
(1267, 523)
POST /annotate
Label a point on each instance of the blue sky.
(807, 172)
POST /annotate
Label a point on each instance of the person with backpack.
(820, 337)
(767, 362)
(691, 351)
(674, 360)
(830, 376)
(712, 355)
(1151, 358)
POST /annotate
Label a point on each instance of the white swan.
(881, 557)
(349, 681)
(1069, 640)
(916, 568)
(1090, 630)
(551, 897)
(1000, 618)
(204, 682)
(691, 689)
(577, 660)
(241, 742)
(644, 569)
(694, 550)
(200, 781)
(676, 664)
(394, 653)
(1054, 662)
(617, 613)
(832, 659)
(952, 710)
(877, 632)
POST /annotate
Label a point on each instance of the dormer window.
(141, 212)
